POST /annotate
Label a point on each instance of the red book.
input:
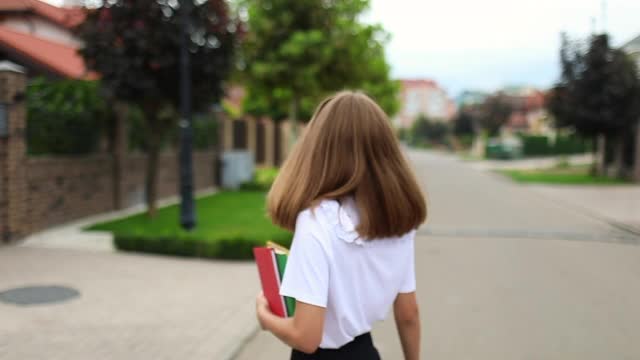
(270, 279)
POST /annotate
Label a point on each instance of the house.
(40, 37)
(422, 96)
(633, 49)
(529, 113)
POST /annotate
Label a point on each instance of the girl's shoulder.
(325, 221)
(333, 220)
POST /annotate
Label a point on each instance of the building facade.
(39, 37)
(422, 97)
(529, 112)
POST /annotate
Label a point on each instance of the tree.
(297, 51)
(64, 116)
(494, 113)
(598, 92)
(464, 123)
(428, 130)
(135, 46)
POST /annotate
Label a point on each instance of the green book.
(290, 303)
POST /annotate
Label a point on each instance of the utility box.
(238, 167)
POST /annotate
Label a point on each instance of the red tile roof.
(58, 58)
(418, 82)
(67, 17)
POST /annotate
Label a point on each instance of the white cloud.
(490, 43)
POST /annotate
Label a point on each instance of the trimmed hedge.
(538, 145)
(232, 248)
(230, 224)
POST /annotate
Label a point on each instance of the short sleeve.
(408, 282)
(306, 276)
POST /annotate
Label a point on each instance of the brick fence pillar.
(227, 133)
(251, 135)
(14, 222)
(269, 138)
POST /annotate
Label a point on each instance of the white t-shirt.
(356, 280)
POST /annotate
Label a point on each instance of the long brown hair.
(348, 148)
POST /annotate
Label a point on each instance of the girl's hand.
(262, 308)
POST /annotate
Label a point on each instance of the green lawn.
(574, 175)
(229, 225)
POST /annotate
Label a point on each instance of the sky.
(488, 44)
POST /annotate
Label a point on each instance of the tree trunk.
(600, 149)
(119, 151)
(153, 154)
(618, 156)
(151, 183)
(293, 119)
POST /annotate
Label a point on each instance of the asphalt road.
(504, 273)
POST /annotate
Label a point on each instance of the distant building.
(422, 96)
(39, 36)
(633, 49)
(471, 97)
(529, 112)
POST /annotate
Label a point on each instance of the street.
(504, 273)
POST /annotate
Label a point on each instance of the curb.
(633, 230)
(238, 346)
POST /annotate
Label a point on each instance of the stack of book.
(271, 261)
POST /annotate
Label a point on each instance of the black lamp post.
(187, 209)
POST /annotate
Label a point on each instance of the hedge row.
(537, 145)
(238, 248)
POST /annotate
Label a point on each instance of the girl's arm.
(407, 316)
(303, 331)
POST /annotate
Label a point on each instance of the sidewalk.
(531, 163)
(71, 236)
(131, 306)
(618, 205)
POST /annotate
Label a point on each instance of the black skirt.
(359, 348)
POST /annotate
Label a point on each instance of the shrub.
(538, 145)
(64, 116)
(425, 132)
(535, 145)
(232, 223)
(570, 144)
(262, 180)
(231, 248)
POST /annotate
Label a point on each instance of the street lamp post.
(187, 210)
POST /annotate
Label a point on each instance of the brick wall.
(38, 192)
(134, 169)
(60, 189)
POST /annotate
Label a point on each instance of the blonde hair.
(349, 148)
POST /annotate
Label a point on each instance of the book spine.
(276, 267)
(290, 303)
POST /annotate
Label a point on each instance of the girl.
(353, 203)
